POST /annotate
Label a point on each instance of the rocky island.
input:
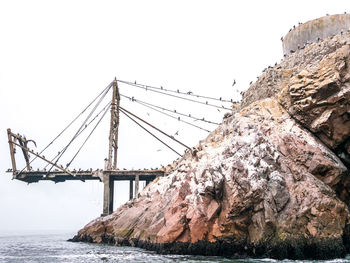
(272, 180)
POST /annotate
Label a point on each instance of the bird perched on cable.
(234, 82)
(161, 87)
(190, 93)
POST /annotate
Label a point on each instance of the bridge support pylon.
(111, 162)
(108, 195)
(131, 189)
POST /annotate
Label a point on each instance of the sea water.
(54, 248)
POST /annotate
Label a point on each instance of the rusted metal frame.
(149, 132)
(23, 143)
(30, 151)
(111, 127)
(116, 131)
(12, 152)
(171, 137)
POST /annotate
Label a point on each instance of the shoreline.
(294, 250)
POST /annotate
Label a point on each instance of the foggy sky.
(56, 56)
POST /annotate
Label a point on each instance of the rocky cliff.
(272, 180)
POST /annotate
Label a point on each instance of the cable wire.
(74, 137)
(177, 118)
(149, 132)
(85, 127)
(189, 93)
(171, 137)
(165, 109)
(108, 87)
(87, 138)
(179, 97)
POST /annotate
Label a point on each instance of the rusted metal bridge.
(110, 173)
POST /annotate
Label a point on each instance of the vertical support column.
(116, 124)
(131, 190)
(12, 153)
(111, 163)
(114, 127)
(108, 194)
(137, 179)
(111, 195)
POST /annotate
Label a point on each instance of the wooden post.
(114, 127)
(137, 185)
(12, 152)
(131, 189)
(108, 194)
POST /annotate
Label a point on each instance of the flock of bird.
(291, 51)
(302, 47)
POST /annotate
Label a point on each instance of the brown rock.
(257, 190)
(318, 98)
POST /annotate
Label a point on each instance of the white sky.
(55, 56)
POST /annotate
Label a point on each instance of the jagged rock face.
(272, 180)
(313, 85)
(259, 180)
(275, 78)
(319, 98)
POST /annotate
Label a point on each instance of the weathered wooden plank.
(12, 152)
